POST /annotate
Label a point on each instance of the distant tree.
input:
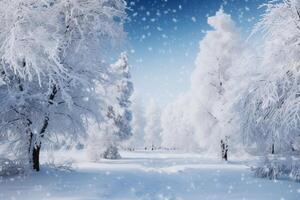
(177, 118)
(153, 127)
(50, 65)
(137, 123)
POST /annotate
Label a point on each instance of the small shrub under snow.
(111, 153)
(295, 174)
(9, 167)
(66, 166)
(271, 169)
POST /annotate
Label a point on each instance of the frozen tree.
(137, 123)
(203, 116)
(116, 126)
(51, 61)
(123, 89)
(270, 108)
(153, 127)
(177, 118)
(220, 50)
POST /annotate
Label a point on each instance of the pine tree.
(116, 126)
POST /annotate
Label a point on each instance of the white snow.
(147, 175)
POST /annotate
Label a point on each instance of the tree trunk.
(225, 155)
(34, 153)
(36, 148)
(224, 150)
(36, 158)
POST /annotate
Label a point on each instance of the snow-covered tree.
(177, 120)
(51, 61)
(152, 128)
(137, 123)
(220, 50)
(116, 126)
(271, 107)
(203, 116)
(123, 92)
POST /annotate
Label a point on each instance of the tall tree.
(271, 105)
(202, 117)
(50, 64)
(220, 50)
(123, 91)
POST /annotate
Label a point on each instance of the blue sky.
(164, 36)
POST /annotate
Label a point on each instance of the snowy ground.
(147, 176)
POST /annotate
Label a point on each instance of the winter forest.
(149, 100)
